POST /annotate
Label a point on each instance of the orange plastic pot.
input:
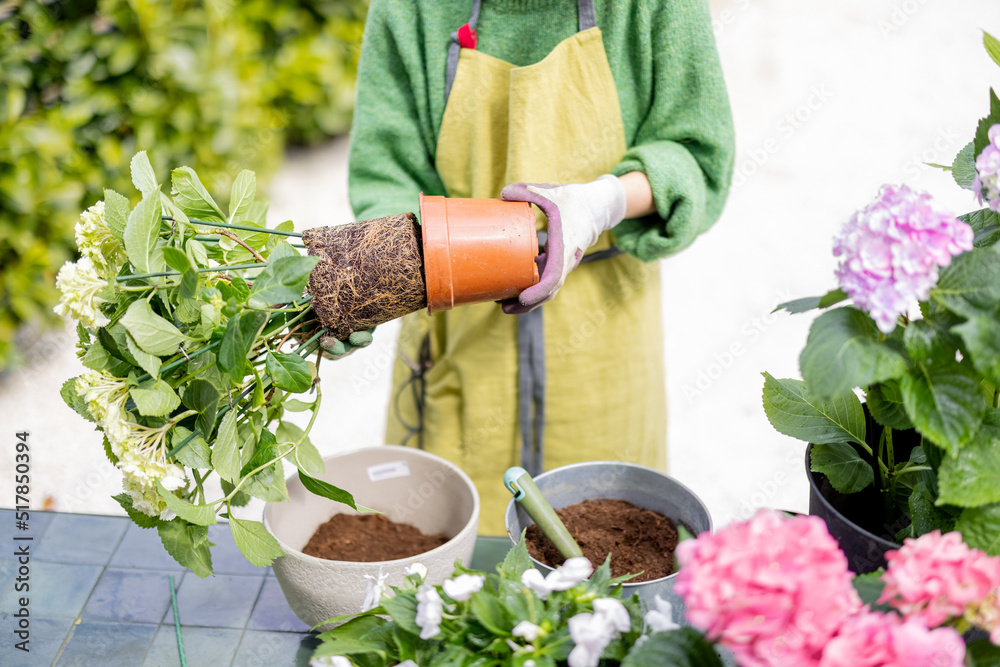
(476, 250)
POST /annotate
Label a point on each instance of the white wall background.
(830, 101)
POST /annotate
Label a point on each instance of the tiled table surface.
(100, 596)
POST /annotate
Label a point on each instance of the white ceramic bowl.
(409, 486)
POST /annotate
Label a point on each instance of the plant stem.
(245, 228)
(908, 470)
(890, 454)
(231, 235)
(210, 269)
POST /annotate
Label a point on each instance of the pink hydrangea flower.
(890, 251)
(886, 640)
(772, 590)
(987, 182)
(936, 577)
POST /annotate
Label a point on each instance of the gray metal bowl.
(639, 485)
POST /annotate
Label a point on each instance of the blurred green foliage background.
(219, 85)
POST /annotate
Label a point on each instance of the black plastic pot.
(864, 549)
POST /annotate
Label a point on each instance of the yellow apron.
(600, 376)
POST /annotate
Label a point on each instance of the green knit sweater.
(678, 125)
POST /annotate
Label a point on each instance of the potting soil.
(638, 540)
(366, 538)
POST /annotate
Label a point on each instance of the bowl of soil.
(429, 514)
(624, 510)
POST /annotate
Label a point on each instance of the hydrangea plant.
(195, 333)
(921, 342)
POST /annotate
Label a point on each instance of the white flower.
(374, 590)
(80, 284)
(661, 619)
(97, 243)
(430, 611)
(417, 569)
(526, 630)
(407, 663)
(569, 574)
(463, 586)
(534, 580)
(529, 663)
(330, 661)
(591, 633)
(145, 498)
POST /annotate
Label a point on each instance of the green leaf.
(138, 518)
(295, 405)
(189, 287)
(149, 362)
(355, 637)
(925, 515)
(793, 412)
(116, 213)
(985, 224)
(176, 259)
(326, 490)
(842, 352)
(810, 303)
(174, 211)
(142, 174)
(226, 452)
(306, 457)
(154, 398)
(237, 341)
(885, 403)
(258, 546)
(963, 169)
(98, 359)
(516, 562)
(869, 587)
(274, 240)
(685, 647)
(74, 400)
(980, 528)
(289, 372)
(282, 281)
(201, 515)
(982, 139)
(486, 609)
(944, 403)
(188, 544)
(282, 249)
(196, 453)
(403, 609)
(242, 196)
(151, 332)
(973, 477)
(142, 232)
(984, 653)
(970, 275)
(981, 335)
(843, 466)
(992, 46)
(203, 396)
(192, 197)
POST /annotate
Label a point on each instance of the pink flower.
(987, 182)
(885, 640)
(891, 250)
(772, 590)
(937, 577)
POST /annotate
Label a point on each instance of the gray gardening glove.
(338, 349)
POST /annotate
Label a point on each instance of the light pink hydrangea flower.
(937, 577)
(987, 182)
(772, 590)
(886, 640)
(890, 251)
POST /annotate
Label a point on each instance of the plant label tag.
(388, 471)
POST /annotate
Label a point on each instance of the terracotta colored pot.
(476, 250)
(409, 486)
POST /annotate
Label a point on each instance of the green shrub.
(217, 85)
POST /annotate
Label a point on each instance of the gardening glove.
(338, 349)
(577, 214)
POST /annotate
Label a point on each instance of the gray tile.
(275, 649)
(272, 611)
(203, 647)
(226, 556)
(81, 538)
(141, 548)
(57, 589)
(222, 601)
(37, 522)
(107, 644)
(140, 596)
(45, 639)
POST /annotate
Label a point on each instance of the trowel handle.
(519, 483)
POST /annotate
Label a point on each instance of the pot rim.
(828, 506)
(591, 464)
(470, 525)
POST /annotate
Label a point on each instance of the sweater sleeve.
(685, 142)
(392, 140)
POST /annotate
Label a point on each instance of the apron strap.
(465, 37)
(531, 389)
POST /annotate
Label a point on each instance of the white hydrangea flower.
(463, 586)
(145, 498)
(527, 631)
(418, 569)
(374, 590)
(661, 619)
(331, 661)
(430, 611)
(591, 633)
(97, 243)
(80, 285)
